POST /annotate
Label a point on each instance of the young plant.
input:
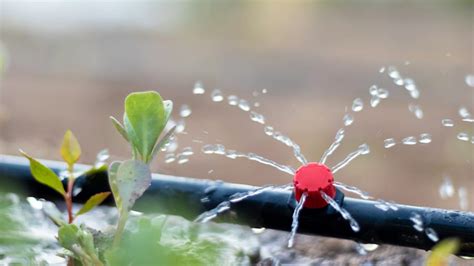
(70, 152)
(144, 119)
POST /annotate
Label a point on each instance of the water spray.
(271, 209)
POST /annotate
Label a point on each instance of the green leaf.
(144, 120)
(129, 182)
(119, 128)
(67, 236)
(112, 174)
(44, 175)
(80, 242)
(86, 240)
(441, 252)
(70, 148)
(92, 202)
(163, 141)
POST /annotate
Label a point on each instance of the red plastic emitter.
(312, 178)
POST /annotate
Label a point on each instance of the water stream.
(295, 222)
(376, 94)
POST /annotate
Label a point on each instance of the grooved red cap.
(311, 178)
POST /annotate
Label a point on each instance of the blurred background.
(69, 65)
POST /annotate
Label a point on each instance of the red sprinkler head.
(312, 178)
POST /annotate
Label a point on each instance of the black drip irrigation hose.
(272, 209)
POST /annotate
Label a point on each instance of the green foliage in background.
(168, 240)
(440, 253)
(23, 234)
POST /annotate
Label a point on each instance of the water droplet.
(388, 143)
(354, 225)
(417, 222)
(268, 130)
(470, 80)
(171, 145)
(463, 198)
(409, 140)
(425, 138)
(431, 234)
(198, 88)
(233, 100)
(103, 155)
(370, 247)
(409, 84)
(180, 126)
(463, 136)
(244, 105)
(348, 120)
(217, 96)
(169, 158)
(373, 90)
(416, 109)
(187, 151)
(385, 206)
(383, 93)
(399, 81)
(446, 189)
(184, 111)
(447, 123)
(464, 113)
(264, 91)
(364, 149)
(258, 230)
(255, 93)
(393, 72)
(374, 101)
(407, 63)
(382, 69)
(182, 159)
(415, 94)
(357, 105)
(360, 250)
(256, 117)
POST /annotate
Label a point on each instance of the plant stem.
(68, 196)
(120, 228)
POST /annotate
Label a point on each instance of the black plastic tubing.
(273, 209)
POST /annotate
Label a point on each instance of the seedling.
(70, 152)
(145, 118)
